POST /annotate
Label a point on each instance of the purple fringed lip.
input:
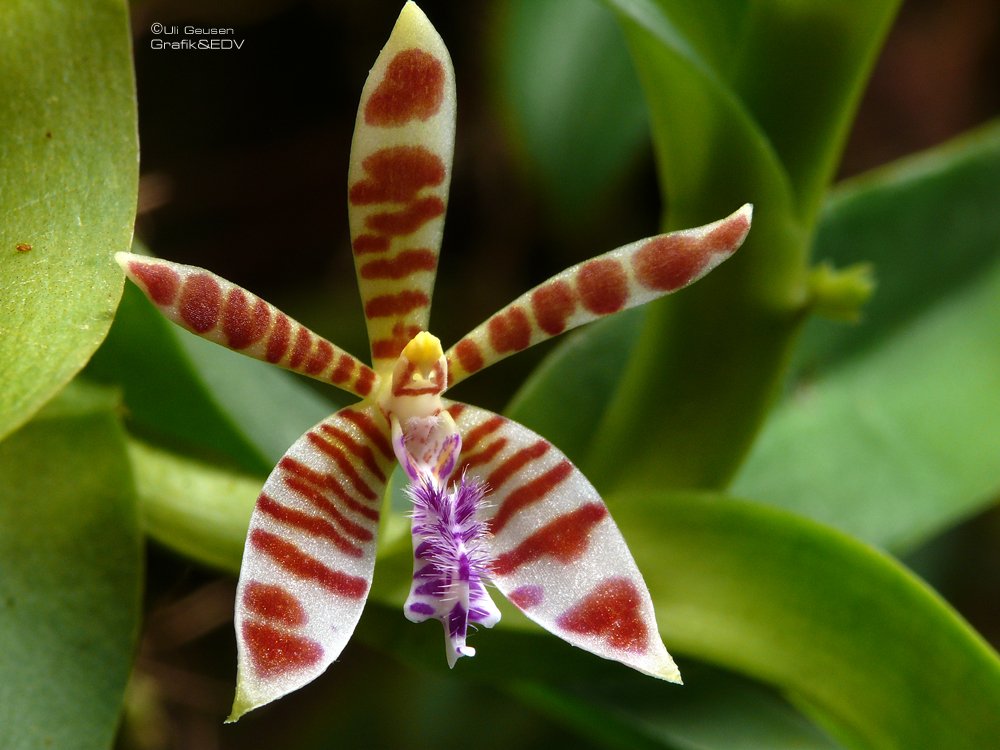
(450, 564)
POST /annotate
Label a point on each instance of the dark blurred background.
(244, 171)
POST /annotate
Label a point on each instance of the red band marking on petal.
(301, 565)
(469, 355)
(307, 523)
(201, 302)
(480, 431)
(509, 331)
(396, 175)
(407, 262)
(344, 369)
(161, 282)
(407, 220)
(602, 285)
(321, 357)
(526, 597)
(372, 431)
(323, 481)
(413, 88)
(552, 304)
(392, 347)
(515, 462)
(273, 603)
(359, 450)
(729, 235)
(366, 379)
(278, 341)
(611, 611)
(318, 499)
(487, 454)
(370, 243)
(334, 451)
(530, 493)
(669, 262)
(300, 350)
(274, 652)
(242, 325)
(566, 539)
(389, 305)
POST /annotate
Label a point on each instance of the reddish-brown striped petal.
(310, 551)
(629, 276)
(222, 312)
(398, 182)
(556, 553)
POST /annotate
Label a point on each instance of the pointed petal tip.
(123, 258)
(674, 676)
(411, 16)
(241, 706)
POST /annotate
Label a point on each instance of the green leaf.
(68, 181)
(199, 510)
(181, 388)
(566, 396)
(714, 709)
(841, 627)
(711, 358)
(889, 431)
(572, 98)
(71, 564)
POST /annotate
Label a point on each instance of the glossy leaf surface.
(710, 361)
(889, 429)
(574, 104)
(71, 576)
(68, 181)
(829, 620)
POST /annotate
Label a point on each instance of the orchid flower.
(494, 504)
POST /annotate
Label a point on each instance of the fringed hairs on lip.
(492, 501)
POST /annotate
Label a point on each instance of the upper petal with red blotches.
(556, 552)
(398, 181)
(627, 277)
(227, 314)
(309, 555)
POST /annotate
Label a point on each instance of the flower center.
(450, 564)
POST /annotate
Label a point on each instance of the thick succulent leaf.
(226, 314)
(796, 70)
(889, 431)
(844, 629)
(572, 98)
(712, 358)
(626, 277)
(71, 563)
(398, 181)
(68, 180)
(716, 709)
(309, 555)
(556, 553)
(198, 509)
